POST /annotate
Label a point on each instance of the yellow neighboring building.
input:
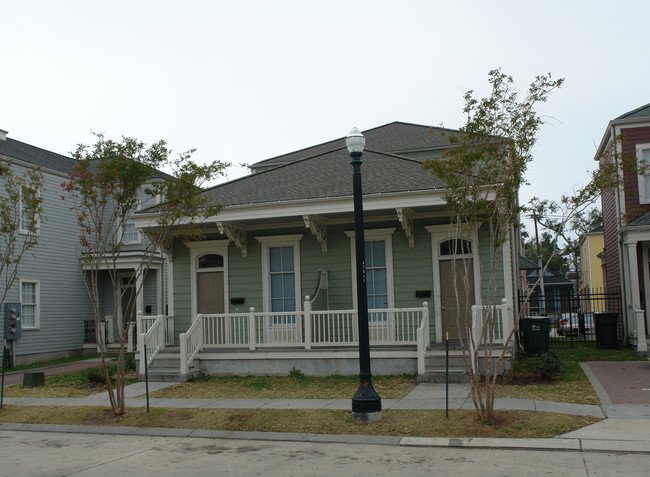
(591, 264)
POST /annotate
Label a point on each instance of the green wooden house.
(272, 284)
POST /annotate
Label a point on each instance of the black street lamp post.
(366, 403)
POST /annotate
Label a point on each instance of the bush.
(296, 373)
(526, 369)
(129, 363)
(96, 375)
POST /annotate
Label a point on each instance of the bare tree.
(21, 209)
(106, 186)
(484, 169)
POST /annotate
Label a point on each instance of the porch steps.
(435, 365)
(166, 367)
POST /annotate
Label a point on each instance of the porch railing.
(304, 329)
(157, 332)
(490, 322)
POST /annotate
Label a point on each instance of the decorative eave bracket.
(235, 234)
(166, 245)
(318, 228)
(406, 219)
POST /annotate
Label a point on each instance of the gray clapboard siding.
(55, 265)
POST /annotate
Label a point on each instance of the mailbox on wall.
(12, 321)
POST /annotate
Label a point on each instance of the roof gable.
(35, 155)
(641, 112)
(396, 137)
(326, 175)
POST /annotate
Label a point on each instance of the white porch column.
(634, 313)
(508, 284)
(170, 286)
(139, 300)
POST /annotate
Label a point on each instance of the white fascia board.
(635, 234)
(618, 124)
(312, 207)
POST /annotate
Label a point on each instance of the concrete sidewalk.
(625, 429)
(424, 396)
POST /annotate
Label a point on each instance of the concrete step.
(439, 375)
(439, 361)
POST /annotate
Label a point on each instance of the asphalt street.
(64, 454)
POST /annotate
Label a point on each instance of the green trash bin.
(535, 334)
(606, 332)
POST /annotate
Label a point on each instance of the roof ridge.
(365, 131)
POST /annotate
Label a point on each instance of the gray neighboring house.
(50, 278)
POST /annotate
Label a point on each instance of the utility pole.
(542, 298)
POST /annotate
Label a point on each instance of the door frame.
(440, 233)
(136, 305)
(198, 249)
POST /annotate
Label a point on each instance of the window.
(455, 247)
(25, 216)
(131, 233)
(643, 157)
(281, 272)
(29, 300)
(376, 274)
(379, 268)
(283, 279)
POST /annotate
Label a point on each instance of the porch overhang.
(126, 261)
(424, 203)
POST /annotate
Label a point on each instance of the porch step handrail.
(154, 338)
(423, 339)
(191, 343)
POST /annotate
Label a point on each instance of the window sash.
(29, 304)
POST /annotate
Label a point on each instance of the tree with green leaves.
(550, 252)
(21, 209)
(484, 169)
(110, 180)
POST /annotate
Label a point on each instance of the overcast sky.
(242, 81)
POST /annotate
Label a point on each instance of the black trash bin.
(606, 332)
(535, 334)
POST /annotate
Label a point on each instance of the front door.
(210, 300)
(456, 298)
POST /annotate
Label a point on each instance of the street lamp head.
(355, 141)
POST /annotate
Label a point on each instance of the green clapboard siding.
(486, 266)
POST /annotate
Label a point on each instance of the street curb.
(548, 444)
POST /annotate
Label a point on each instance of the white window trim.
(21, 230)
(644, 196)
(138, 241)
(280, 241)
(37, 314)
(373, 234)
(440, 233)
(197, 249)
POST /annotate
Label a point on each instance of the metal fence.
(575, 323)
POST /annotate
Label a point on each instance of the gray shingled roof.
(642, 112)
(641, 221)
(395, 137)
(326, 175)
(35, 155)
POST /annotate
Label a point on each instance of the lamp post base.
(366, 404)
(364, 418)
